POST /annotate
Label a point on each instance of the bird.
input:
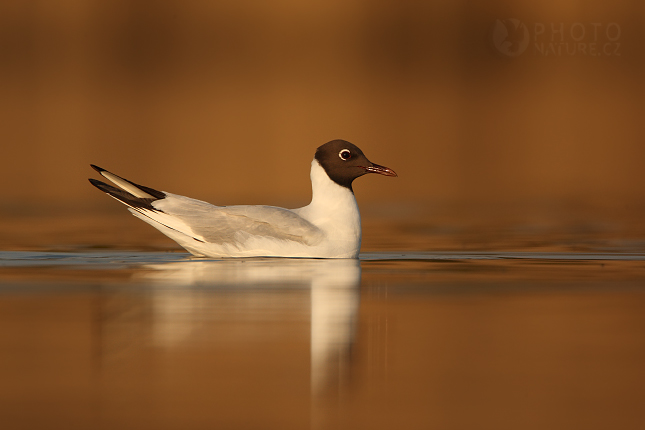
(328, 227)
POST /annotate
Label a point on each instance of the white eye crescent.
(345, 154)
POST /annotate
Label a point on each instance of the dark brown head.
(344, 162)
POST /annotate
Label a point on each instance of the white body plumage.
(329, 227)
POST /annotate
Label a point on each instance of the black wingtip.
(124, 196)
(100, 185)
(97, 168)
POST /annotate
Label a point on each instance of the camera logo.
(510, 37)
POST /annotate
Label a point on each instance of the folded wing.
(205, 222)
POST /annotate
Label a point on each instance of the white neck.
(325, 192)
(331, 205)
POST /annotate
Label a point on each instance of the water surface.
(416, 340)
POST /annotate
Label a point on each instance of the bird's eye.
(345, 154)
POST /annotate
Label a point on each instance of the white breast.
(334, 210)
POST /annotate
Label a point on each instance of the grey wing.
(235, 224)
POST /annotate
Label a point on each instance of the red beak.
(381, 170)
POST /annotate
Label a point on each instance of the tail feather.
(135, 189)
(140, 199)
(134, 195)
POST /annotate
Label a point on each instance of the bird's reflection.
(248, 287)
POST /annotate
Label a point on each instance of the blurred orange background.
(226, 101)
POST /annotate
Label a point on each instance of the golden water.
(502, 284)
(139, 335)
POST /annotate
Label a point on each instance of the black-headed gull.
(329, 227)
